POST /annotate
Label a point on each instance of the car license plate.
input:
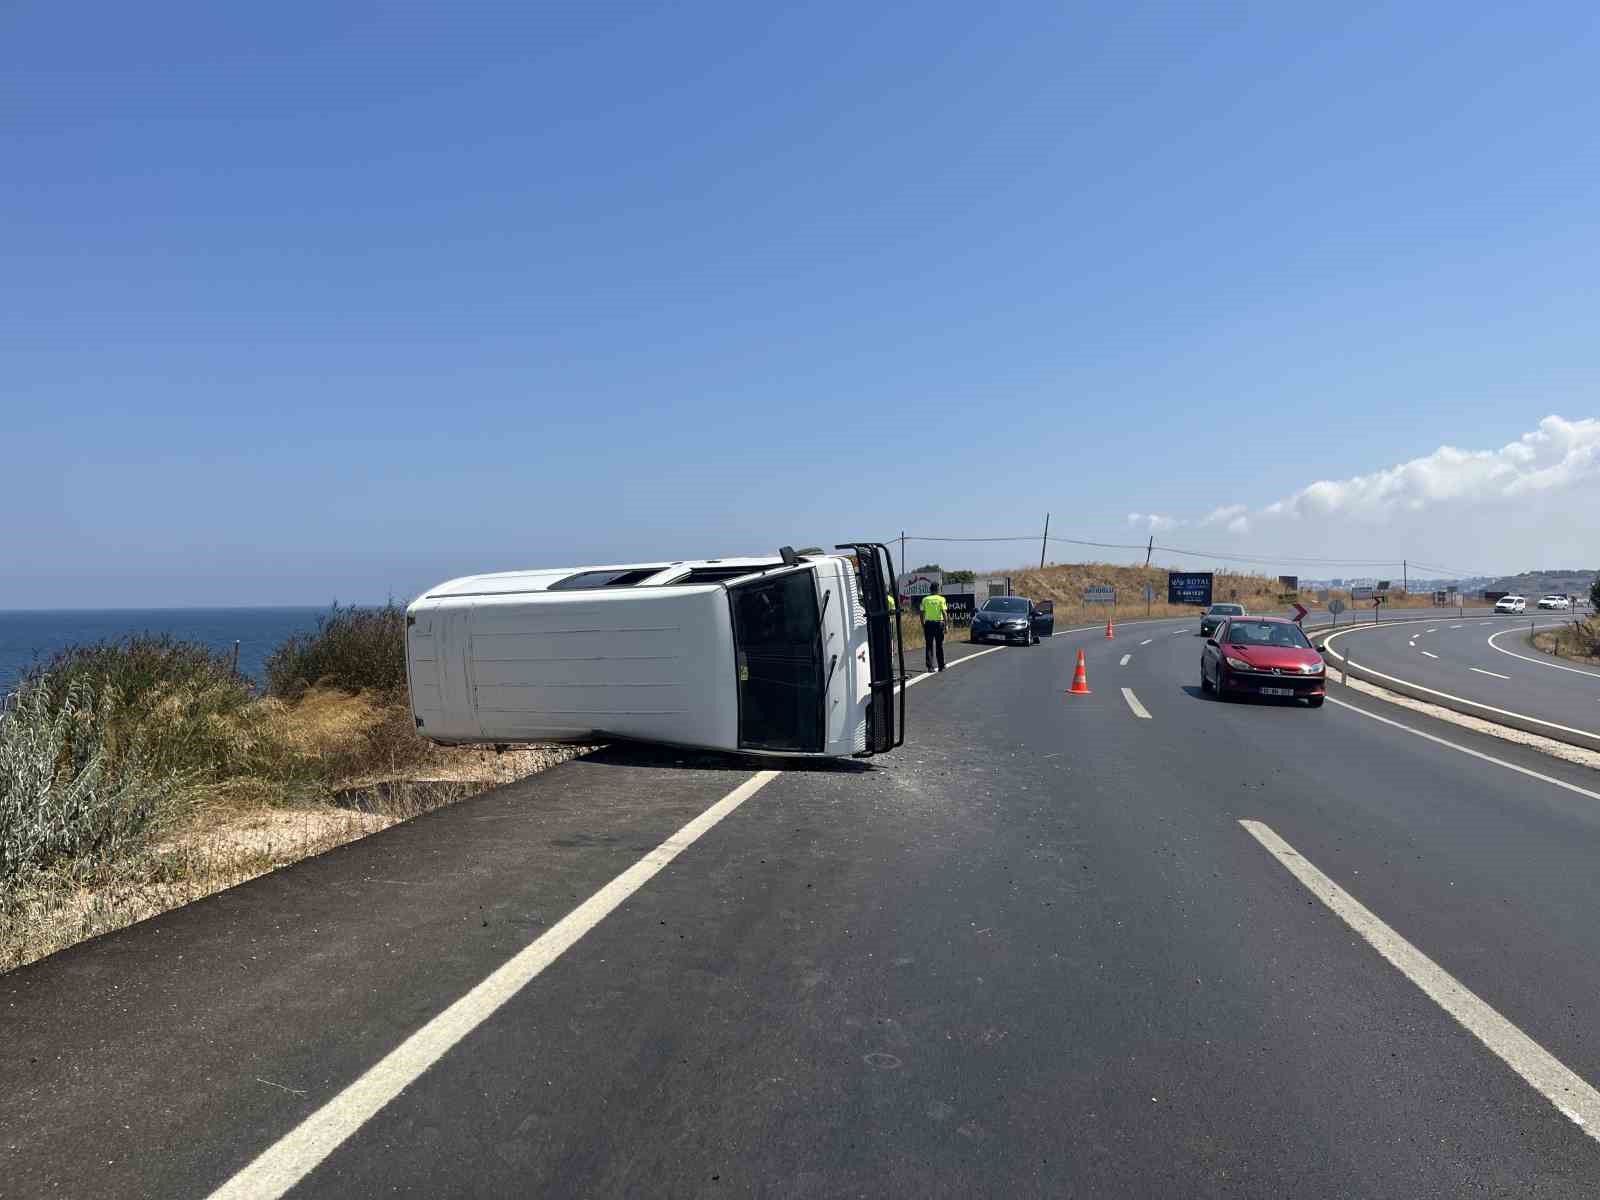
(1266, 691)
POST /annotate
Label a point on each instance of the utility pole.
(1405, 577)
(1044, 541)
(1150, 549)
(903, 566)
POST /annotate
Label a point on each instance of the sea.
(31, 637)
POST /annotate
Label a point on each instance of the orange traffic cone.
(1080, 679)
(1110, 631)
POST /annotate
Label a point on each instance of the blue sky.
(307, 301)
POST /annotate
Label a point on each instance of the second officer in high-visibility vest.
(933, 611)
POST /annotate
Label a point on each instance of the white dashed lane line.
(1125, 659)
(1133, 703)
(1430, 655)
(1147, 641)
(1481, 671)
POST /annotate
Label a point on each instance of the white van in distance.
(792, 655)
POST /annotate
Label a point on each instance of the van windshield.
(777, 638)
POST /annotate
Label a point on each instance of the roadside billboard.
(919, 583)
(1189, 587)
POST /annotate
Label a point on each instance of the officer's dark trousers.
(933, 639)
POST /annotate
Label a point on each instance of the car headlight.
(1312, 668)
(1238, 664)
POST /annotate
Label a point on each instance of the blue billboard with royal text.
(1192, 587)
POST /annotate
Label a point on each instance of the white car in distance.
(1511, 604)
(1559, 603)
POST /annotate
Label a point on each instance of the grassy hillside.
(1538, 583)
(1065, 584)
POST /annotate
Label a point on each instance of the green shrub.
(180, 702)
(66, 791)
(135, 667)
(352, 648)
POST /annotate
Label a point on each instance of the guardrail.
(1582, 738)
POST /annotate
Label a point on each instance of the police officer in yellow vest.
(933, 610)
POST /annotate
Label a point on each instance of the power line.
(1214, 556)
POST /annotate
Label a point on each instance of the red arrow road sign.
(1299, 613)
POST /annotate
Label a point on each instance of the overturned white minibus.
(792, 655)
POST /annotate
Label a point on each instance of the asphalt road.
(1035, 952)
(1489, 661)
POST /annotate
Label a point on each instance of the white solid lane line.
(1430, 655)
(1347, 662)
(1541, 661)
(954, 662)
(1481, 671)
(1478, 754)
(298, 1152)
(1125, 659)
(1133, 703)
(1572, 1096)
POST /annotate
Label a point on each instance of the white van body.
(755, 655)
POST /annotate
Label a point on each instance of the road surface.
(1139, 943)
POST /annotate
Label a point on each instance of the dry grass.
(1065, 584)
(327, 769)
(1579, 641)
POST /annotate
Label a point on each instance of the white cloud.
(1557, 455)
(1533, 502)
(1154, 522)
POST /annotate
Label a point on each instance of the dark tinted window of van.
(777, 635)
(624, 577)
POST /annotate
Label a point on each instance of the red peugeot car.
(1262, 656)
